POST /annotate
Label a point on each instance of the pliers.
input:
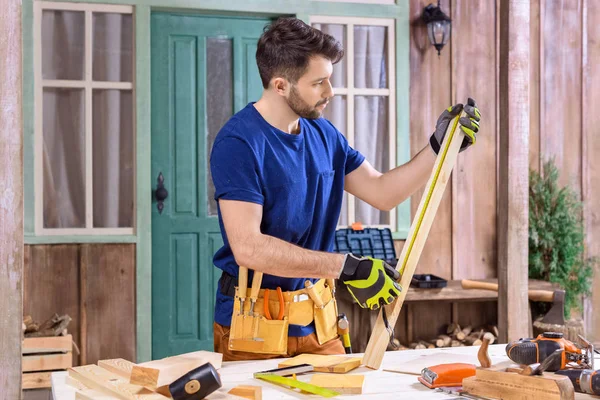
(281, 304)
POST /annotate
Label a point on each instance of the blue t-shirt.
(298, 179)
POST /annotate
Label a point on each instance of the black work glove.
(468, 124)
(371, 282)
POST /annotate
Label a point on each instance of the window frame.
(350, 92)
(88, 85)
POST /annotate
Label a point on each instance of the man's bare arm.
(252, 249)
(386, 191)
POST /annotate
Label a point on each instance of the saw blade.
(296, 384)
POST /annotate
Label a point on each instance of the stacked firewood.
(54, 326)
(456, 336)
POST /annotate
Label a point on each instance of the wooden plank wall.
(564, 99)
(95, 285)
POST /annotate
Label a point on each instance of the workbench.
(379, 384)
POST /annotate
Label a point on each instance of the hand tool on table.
(530, 351)
(296, 384)
(540, 368)
(288, 371)
(382, 332)
(446, 375)
(344, 332)
(461, 393)
(196, 384)
(281, 304)
(556, 314)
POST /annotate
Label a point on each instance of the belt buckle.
(300, 297)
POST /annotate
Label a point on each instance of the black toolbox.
(378, 243)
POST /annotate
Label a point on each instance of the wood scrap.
(107, 382)
(336, 364)
(247, 392)
(343, 384)
(157, 373)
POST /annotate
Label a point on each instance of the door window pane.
(370, 57)
(63, 44)
(113, 156)
(371, 138)
(112, 57)
(339, 75)
(219, 100)
(63, 158)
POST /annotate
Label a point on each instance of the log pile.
(455, 336)
(54, 326)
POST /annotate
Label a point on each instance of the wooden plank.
(561, 79)
(112, 304)
(11, 199)
(106, 382)
(513, 207)
(52, 285)
(343, 384)
(157, 373)
(91, 394)
(247, 392)
(69, 380)
(47, 362)
(53, 344)
(36, 380)
(535, 42)
(474, 192)
(118, 366)
(430, 76)
(337, 364)
(591, 190)
(417, 236)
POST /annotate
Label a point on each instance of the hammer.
(556, 314)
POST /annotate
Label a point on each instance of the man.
(279, 171)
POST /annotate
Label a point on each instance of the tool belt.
(265, 329)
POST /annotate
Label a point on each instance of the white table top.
(379, 384)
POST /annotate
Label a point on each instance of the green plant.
(556, 236)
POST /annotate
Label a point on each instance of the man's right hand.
(371, 282)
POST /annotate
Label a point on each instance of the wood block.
(36, 380)
(157, 373)
(117, 366)
(54, 344)
(69, 380)
(509, 385)
(102, 380)
(344, 384)
(47, 362)
(336, 364)
(247, 392)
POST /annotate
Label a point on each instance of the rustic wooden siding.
(564, 99)
(95, 285)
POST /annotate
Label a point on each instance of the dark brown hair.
(286, 46)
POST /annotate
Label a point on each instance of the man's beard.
(302, 108)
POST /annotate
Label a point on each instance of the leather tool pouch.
(326, 316)
(255, 333)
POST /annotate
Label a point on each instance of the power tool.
(529, 351)
(584, 380)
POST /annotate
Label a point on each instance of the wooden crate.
(44, 355)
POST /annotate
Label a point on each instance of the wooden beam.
(11, 200)
(419, 229)
(513, 166)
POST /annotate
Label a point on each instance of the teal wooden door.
(203, 71)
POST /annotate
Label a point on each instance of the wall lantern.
(438, 25)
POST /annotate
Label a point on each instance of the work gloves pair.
(371, 282)
(468, 124)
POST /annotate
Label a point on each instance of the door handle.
(160, 193)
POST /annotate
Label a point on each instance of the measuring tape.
(296, 384)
